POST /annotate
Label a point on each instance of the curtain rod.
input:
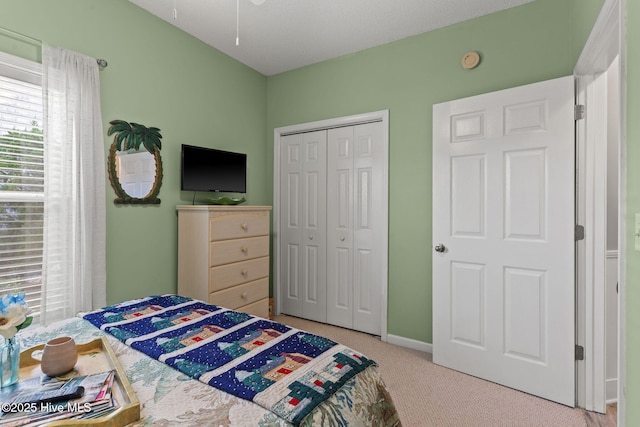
(102, 63)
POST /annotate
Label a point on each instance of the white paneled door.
(303, 225)
(503, 237)
(354, 226)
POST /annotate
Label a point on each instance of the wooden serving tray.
(93, 357)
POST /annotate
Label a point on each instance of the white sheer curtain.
(74, 264)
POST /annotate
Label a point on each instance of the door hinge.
(579, 352)
(579, 232)
(578, 112)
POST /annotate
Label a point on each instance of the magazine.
(22, 404)
(24, 388)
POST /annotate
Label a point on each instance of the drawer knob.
(244, 250)
(244, 295)
(244, 273)
(245, 227)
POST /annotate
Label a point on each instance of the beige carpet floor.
(426, 394)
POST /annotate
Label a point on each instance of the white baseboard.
(410, 343)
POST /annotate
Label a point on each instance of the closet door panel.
(315, 226)
(368, 221)
(340, 217)
(291, 224)
(303, 225)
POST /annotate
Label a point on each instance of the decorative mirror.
(134, 163)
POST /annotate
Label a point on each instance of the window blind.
(21, 179)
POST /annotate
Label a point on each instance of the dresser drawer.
(228, 275)
(240, 295)
(238, 225)
(258, 308)
(226, 251)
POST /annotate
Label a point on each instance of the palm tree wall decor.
(134, 137)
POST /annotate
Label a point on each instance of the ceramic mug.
(59, 356)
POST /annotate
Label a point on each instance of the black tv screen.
(207, 169)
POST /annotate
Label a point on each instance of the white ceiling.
(281, 35)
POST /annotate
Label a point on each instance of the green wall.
(158, 76)
(633, 207)
(534, 42)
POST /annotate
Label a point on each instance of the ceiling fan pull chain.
(237, 22)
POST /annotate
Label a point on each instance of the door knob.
(439, 248)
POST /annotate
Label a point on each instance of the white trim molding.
(410, 343)
(606, 42)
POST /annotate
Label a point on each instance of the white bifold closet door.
(331, 245)
(353, 222)
(303, 225)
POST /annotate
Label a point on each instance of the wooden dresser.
(223, 256)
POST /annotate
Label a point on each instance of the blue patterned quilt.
(283, 369)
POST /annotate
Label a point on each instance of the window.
(21, 179)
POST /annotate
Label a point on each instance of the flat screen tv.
(207, 169)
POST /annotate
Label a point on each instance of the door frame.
(374, 116)
(606, 42)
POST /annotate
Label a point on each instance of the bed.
(182, 396)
